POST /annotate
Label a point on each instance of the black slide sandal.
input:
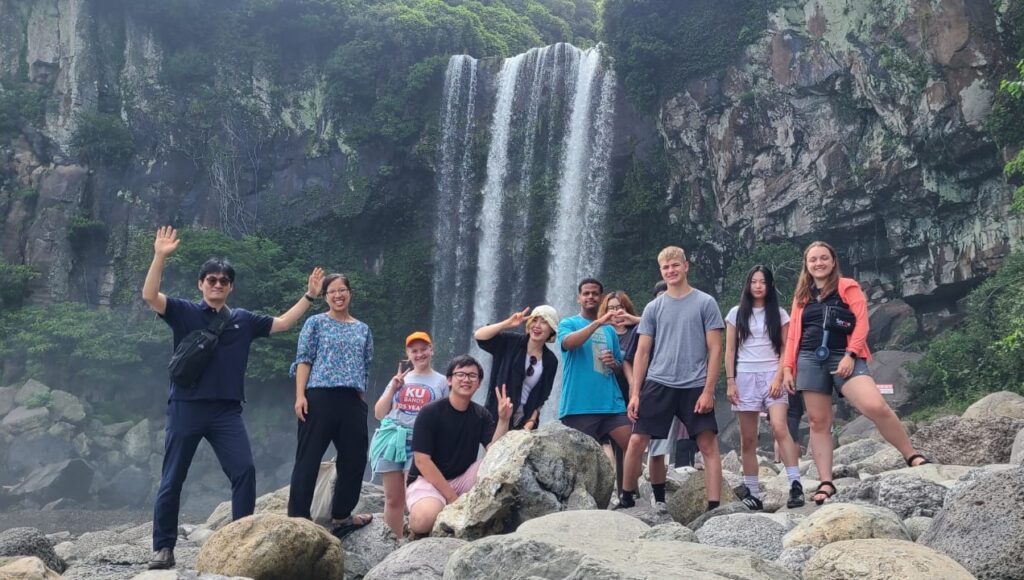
(910, 460)
(352, 524)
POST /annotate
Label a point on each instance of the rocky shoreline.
(540, 510)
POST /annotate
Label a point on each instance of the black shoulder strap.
(220, 321)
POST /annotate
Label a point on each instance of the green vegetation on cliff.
(984, 354)
(659, 45)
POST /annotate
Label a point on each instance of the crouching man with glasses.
(446, 441)
(211, 408)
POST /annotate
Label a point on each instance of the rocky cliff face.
(861, 123)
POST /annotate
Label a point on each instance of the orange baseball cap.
(418, 335)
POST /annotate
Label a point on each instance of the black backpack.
(195, 351)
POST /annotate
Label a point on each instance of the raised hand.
(608, 316)
(398, 381)
(517, 318)
(166, 241)
(316, 280)
(504, 404)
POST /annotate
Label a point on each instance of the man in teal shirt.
(591, 401)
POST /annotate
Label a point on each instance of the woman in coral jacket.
(819, 360)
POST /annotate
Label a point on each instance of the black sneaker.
(796, 495)
(752, 503)
(625, 502)
(163, 559)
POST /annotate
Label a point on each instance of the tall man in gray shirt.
(678, 378)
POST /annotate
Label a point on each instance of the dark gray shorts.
(597, 425)
(816, 376)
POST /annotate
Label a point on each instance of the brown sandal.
(350, 524)
(821, 491)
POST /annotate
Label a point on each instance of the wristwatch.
(851, 354)
(310, 298)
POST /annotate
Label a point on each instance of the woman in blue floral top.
(331, 370)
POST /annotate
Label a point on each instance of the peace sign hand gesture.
(517, 318)
(504, 404)
(398, 381)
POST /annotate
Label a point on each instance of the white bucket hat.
(547, 314)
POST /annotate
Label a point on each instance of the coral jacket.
(853, 296)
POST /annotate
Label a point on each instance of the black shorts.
(659, 404)
(597, 425)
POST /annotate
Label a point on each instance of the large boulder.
(881, 560)
(856, 451)
(917, 526)
(999, 404)
(776, 491)
(671, 532)
(981, 525)
(889, 367)
(23, 419)
(29, 568)
(690, 501)
(130, 486)
(423, 559)
(795, 559)
(906, 495)
(66, 407)
(7, 395)
(760, 535)
(863, 428)
(599, 544)
(888, 459)
(935, 472)
(68, 479)
(275, 502)
(273, 547)
(86, 544)
(138, 442)
(527, 475)
(29, 542)
(892, 322)
(1017, 451)
(37, 448)
(367, 547)
(959, 441)
(32, 391)
(836, 522)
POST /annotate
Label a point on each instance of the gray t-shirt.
(678, 327)
(418, 392)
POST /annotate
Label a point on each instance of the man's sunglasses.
(218, 280)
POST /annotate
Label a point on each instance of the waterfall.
(534, 223)
(454, 226)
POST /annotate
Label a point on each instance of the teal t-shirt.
(588, 386)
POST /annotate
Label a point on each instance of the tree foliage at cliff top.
(659, 45)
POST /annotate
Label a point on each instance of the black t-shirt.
(810, 322)
(451, 437)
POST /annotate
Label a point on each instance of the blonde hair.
(672, 253)
(803, 287)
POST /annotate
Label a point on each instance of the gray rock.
(1017, 450)
(917, 525)
(67, 407)
(35, 449)
(670, 532)
(981, 525)
(887, 459)
(748, 531)
(887, 322)
(183, 575)
(129, 487)
(200, 535)
(119, 554)
(275, 502)
(371, 496)
(689, 502)
(23, 419)
(958, 441)
(82, 445)
(999, 404)
(794, 559)
(30, 542)
(526, 475)
(881, 560)
(116, 429)
(7, 395)
(776, 491)
(835, 522)
(141, 534)
(650, 515)
(367, 547)
(735, 507)
(906, 495)
(856, 451)
(890, 367)
(68, 479)
(603, 545)
(423, 559)
(30, 390)
(90, 542)
(137, 442)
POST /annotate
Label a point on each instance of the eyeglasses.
(218, 281)
(337, 291)
(461, 376)
(529, 369)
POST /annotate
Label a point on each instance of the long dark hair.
(772, 318)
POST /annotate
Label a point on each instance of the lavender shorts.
(753, 391)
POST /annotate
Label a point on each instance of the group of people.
(637, 381)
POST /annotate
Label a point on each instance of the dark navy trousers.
(189, 422)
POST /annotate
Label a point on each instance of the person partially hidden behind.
(211, 408)
(446, 441)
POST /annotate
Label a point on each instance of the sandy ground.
(79, 521)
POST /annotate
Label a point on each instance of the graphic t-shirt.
(588, 386)
(418, 392)
(756, 354)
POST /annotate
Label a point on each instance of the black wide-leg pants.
(336, 415)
